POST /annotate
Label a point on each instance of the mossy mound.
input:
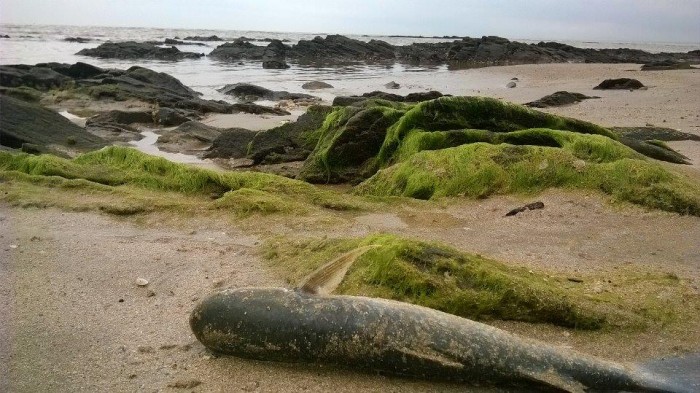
(440, 277)
(589, 162)
(125, 167)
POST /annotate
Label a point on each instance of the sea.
(31, 44)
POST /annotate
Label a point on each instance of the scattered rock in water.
(249, 107)
(619, 84)
(275, 64)
(392, 85)
(79, 40)
(137, 50)
(204, 39)
(559, 98)
(237, 50)
(665, 65)
(511, 85)
(529, 206)
(141, 282)
(316, 85)
(169, 117)
(4, 36)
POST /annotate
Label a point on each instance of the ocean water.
(31, 44)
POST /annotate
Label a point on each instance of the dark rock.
(205, 39)
(392, 85)
(511, 85)
(667, 65)
(257, 109)
(338, 48)
(22, 93)
(23, 122)
(231, 143)
(316, 85)
(246, 91)
(559, 98)
(4, 36)
(654, 149)
(619, 84)
(170, 117)
(191, 136)
(655, 133)
(137, 50)
(122, 118)
(80, 40)
(275, 64)
(237, 50)
(529, 206)
(36, 77)
(412, 97)
(78, 70)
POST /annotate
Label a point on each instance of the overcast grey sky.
(610, 20)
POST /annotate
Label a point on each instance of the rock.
(575, 279)
(4, 36)
(237, 50)
(141, 282)
(137, 50)
(245, 90)
(232, 143)
(79, 40)
(511, 85)
(23, 122)
(275, 64)
(37, 77)
(122, 118)
(191, 136)
(655, 133)
(392, 85)
(22, 93)
(257, 109)
(205, 39)
(559, 98)
(169, 117)
(150, 293)
(529, 206)
(619, 84)
(316, 85)
(514, 79)
(412, 97)
(667, 65)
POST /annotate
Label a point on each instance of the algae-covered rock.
(559, 98)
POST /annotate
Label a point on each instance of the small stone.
(13, 246)
(579, 165)
(150, 293)
(392, 85)
(511, 85)
(514, 79)
(142, 282)
(574, 279)
(121, 300)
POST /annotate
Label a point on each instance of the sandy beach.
(72, 316)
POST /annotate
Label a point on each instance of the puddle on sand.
(148, 145)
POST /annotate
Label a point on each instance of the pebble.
(142, 282)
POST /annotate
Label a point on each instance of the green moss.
(246, 201)
(437, 276)
(482, 113)
(23, 93)
(120, 166)
(590, 162)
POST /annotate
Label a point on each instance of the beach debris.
(392, 85)
(575, 279)
(619, 84)
(511, 85)
(559, 98)
(141, 282)
(316, 85)
(185, 384)
(529, 206)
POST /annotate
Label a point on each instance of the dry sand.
(73, 319)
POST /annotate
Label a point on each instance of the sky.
(595, 20)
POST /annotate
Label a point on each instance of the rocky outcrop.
(412, 97)
(37, 77)
(467, 51)
(137, 50)
(619, 84)
(559, 98)
(170, 41)
(23, 123)
(204, 39)
(191, 137)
